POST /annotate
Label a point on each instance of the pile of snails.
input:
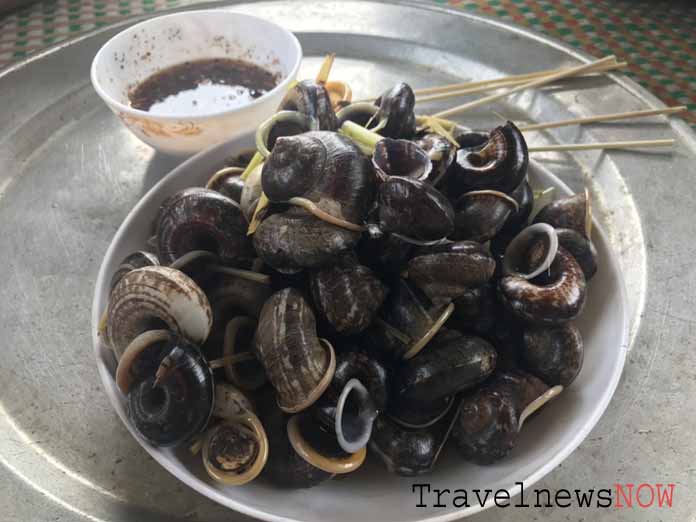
(397, 294)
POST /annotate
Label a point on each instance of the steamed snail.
(396, 296)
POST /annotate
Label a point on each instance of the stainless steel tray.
(69, 173)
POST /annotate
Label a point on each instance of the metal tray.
(69, 173)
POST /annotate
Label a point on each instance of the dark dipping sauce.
(202, 86)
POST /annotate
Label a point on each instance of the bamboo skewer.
(635, 144)
(505, 79)
(497, 84)
(573, 71)
(604, 117)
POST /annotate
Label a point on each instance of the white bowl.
(371, 493)
(150, 46)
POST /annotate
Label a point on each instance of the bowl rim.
(217, 495)
(126, 109)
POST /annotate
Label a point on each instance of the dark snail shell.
(452, 363)
(349, 412)
(384, 253)
(407, 312)
(441, 153)
(228, 183)
(410, 452)
(560, 300)
(232, 295)
(251, 193)
(524, 196)
(553, 353)
(481, 216)
(396, 117)
(202, 219)
(506, 338)
(361, 113)
(348, 296)
(401, 158)
(573, 212)
(135, 260)
(295, 239)
(356, 363)
(311, 99)
(285, 468)
(419, 414)
(498, 164)
(323, 167)
(414, 209)
(475, 309)
(489, 420)
(171, 411)
(446, 272)
(297, 363)
(581, 248)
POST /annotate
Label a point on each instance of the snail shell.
(414, 209)
(441, 153)
(573, 212)
(202, 219)
(285, 468)
(500, 163)
(446, 272)
(410, 452)
(417, 414)
(168, 411)
(349, 412)
(408, 313)
(236, 450)
(147, 297)
(475, 309)
(135, 260)
(348, 296)
(481, 216)
(524, 196)
(562, 299)
(553, 353)
(230, 401)
(311, 99)
(323, 167)
(453, 363)
(295, 239)
(401, 158)
(581, 248)
(228, 182)
(296, 363)
(490, 419)
(396, 117)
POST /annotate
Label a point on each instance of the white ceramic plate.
(371, 492)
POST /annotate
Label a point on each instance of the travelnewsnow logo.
(620, 496)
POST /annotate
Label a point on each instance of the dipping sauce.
(202, 87)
